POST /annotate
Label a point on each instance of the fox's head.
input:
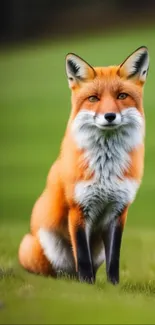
(108, 98)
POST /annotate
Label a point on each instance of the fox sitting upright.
(78, 220)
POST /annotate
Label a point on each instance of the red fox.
(78, 221)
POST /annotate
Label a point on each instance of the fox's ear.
(78, 70)
(136, 65)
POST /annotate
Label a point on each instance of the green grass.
(34, 107)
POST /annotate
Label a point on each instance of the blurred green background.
(34, 107)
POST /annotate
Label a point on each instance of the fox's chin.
(108, 127)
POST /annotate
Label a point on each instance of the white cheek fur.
(108, 157)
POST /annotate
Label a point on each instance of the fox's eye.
(122, 96)
(93, 99)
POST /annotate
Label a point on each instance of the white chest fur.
(108, 157)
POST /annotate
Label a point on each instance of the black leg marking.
(112, 237)
(84, 261)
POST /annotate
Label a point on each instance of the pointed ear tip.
(69, 55)
(144, 48)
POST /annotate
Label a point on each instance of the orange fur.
(32, 257)
(56, 208)
(123, 217)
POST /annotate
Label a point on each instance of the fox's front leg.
(112, 237)
(81, 247)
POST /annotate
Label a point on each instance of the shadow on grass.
(128, 286)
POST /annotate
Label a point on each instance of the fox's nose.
(110, 117)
